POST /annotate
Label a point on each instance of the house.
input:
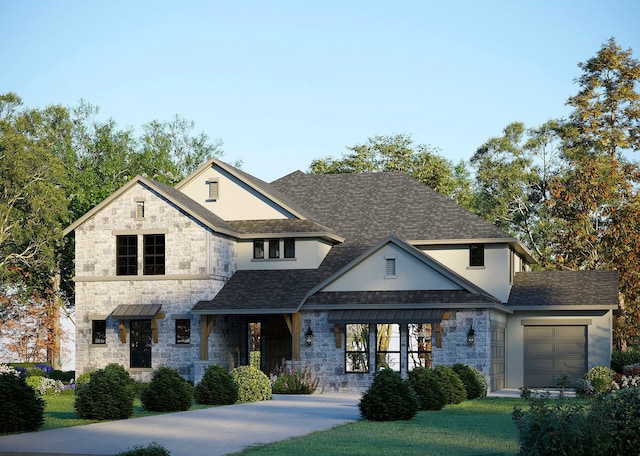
(345, 273)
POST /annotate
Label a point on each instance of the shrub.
(451, 383)
(601, 378)
(63, 376)
(621, 359)
(107, 396)
(44, 385)
(217, 387)
(475, 384)
(22, 408)
(153, 449)
(82, 380)
(167, 392)
(583, 388)
(292, 380)
(35, 372)
(253, 384)
(389, 398)
(557, 427)
(619, 416)
(431, 394)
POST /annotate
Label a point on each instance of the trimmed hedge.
(108, 395)
(389, 398)
(217, 387)
(474, 382)
(451, 383)
(253, 384)
(22, 408)
(167, 392)
(431, 394)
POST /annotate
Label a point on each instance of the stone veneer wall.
(197, 264)
(328, 362)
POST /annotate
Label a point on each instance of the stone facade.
(192, 273)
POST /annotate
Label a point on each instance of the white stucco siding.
(236, 200)
(309, 255)
(411, 274)
(493, 277)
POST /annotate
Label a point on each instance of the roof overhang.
(401, 316)
(575, 307)
(136, 311)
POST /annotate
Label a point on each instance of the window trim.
(365, 352)
(258, 249)
(159, 252)
(289, 248)
(178, 339)
(476, 256)
(398, 352)
(95, 333)
(214, 189)
(130, 257)
(274, 249)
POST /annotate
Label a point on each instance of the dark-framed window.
(289, 248)
(388, 346)
(476, 255)
(357, 348)
(140, 343)
(127, 255)
(419, 345)
(183, 331)
(154, 254)
(258, 250)
(274, 248)
(98, 332)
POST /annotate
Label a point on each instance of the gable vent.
(213, 189)
(391, 267)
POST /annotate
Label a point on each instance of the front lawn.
(478, 427)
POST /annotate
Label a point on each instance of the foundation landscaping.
(433, 411)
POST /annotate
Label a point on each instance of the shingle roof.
(565, 288)
(279, 227)
(395, 298)
(367, 207)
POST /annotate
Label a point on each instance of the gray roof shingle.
(564, 288)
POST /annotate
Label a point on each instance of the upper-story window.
(127, 255)
(275, 247)
(154, 254)
(258, 250)
(289, 248)
(476, 255)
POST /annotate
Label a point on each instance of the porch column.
(206, 325)
(293, 322)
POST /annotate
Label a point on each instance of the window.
(476, 255)
(419, 345)
(140, 343)
(357, 348)
(183, 331)
(289, 248)
(274, 248)
(214, 187)
(388, 346)
(127, 255)
(154, 250)
(258, 250)
(98, 332)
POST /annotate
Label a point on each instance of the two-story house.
(345, 273)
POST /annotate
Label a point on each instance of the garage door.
(551, 352)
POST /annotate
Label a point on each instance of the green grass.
(478, 427)
(59, 412)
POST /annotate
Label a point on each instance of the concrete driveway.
(210, 432)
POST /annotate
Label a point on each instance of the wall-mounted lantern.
(308, 336)
(471, 337)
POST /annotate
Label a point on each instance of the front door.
(140, 343)
(269, 342)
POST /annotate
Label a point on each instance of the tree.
(513, 173)
(606, 114)
(397, 153)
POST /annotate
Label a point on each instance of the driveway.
(213, 431)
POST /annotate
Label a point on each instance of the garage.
(553, 351)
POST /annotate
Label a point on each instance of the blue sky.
(284, 82)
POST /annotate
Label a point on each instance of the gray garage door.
(551, 352)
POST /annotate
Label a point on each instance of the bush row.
(608, 424)
(391, 398)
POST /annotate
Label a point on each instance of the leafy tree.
(397, 153)
(513, 174)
